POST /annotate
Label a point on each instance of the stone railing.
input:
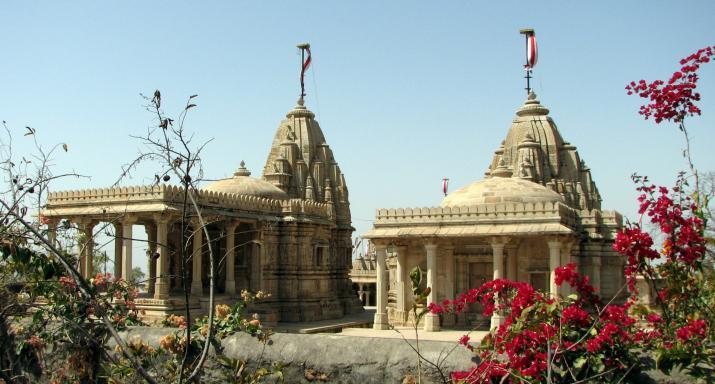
(312, 208)
(241, 202)
(105, 195)
(164, 193)
(363, 272)
(486, 212)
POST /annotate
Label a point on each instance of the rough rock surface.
(343, 359)
(350, 359)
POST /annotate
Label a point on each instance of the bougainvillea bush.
(549, 339)
(682, 321)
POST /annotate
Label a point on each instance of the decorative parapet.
(233, 201)
(305, 207)
(502, 212)
(601, 224)
(612, 218)
(87, 201)
(163, 193)
(106, 195)
(362, 272)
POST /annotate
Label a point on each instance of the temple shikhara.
(537, 208)
(287, 233)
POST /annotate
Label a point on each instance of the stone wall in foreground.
(343, 359)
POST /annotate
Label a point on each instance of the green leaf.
(416, 278)
(578, 364)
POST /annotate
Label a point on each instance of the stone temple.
(537, 208)
(287, 233)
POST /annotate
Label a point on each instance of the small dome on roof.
(243, 184)
(501, 190)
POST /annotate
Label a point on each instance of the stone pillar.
(52, 231)
(498, 269)
(565, 260)
(596, 273)
(151, 259)
(256, 250)
(127, 235)
(231, 257)
(511, 261)
(161, 289)
(197, 285)
(86, 247)
(462, 286)
(554, 262)
(118, 247)
(431, 320)
(380, 321)
(449, 283)
(402, 283)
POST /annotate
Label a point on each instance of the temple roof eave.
(462, 231)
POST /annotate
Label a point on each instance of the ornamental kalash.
(537, 208)
(287, 233)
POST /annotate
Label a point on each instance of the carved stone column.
(118, 248)
(161, 289)
(151, 257)
(449, 283)
(498, 269)
(52, 231)
(596, 273)
(511, 261)
(231, 257)
(86, 247)
(554, 262)
(380, 321)
(127, 236)
(431, 320)
(462, 286)
(197, 285)
(256, 270)
(565, 260)
(402, 283)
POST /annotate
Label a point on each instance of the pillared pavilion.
(287, 233)
(537, 208)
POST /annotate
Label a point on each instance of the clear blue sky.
(407, 92)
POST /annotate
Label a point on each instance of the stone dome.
(501, 190)
(243, 184)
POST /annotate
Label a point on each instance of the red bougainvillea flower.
(675, 99)
(567, 273)
(695, 330)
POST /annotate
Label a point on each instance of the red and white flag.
(445, 185)
(306, 65)
(531, 50)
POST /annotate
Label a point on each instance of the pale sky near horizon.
(406, 92)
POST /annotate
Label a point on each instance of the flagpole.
(527, 32)
(302, 47)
